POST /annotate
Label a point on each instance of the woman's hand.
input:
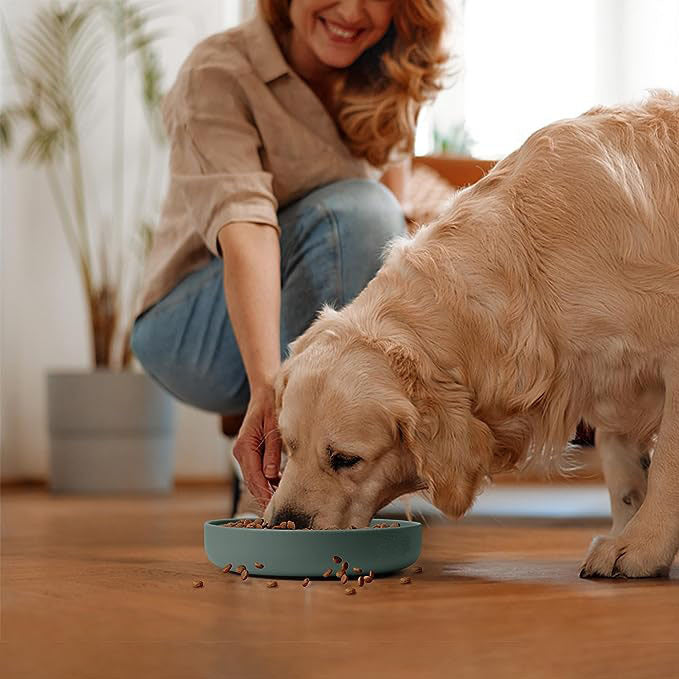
(258, 446)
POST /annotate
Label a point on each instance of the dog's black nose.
(299, 518)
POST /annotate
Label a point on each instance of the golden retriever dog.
(546, 294)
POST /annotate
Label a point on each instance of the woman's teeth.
(340, 32)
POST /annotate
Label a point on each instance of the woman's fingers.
(272, 449)
(247, 453)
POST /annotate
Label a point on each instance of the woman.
(278, 130)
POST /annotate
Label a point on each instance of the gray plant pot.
(109, 433)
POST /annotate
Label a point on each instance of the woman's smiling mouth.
(339, 33)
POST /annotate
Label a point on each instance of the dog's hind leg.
(647, 545)
(625, 464)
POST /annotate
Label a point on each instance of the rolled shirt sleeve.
(216, 173)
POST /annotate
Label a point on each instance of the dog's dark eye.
(340, 461)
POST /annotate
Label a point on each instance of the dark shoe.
(231, 424)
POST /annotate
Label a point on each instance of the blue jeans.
(331, 246)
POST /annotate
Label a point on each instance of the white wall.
(530, 62)
(43, 325)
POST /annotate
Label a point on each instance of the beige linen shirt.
(247, 136)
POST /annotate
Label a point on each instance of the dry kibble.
(344, 579)
(355, 569)
(339, 573)
(227, 568)
(240, 569)
(197, 584)
(395, 524)
(305, 582)
(327, 572)
(371, 574)
(349, 591)
(337, 559)
(271, 584)
(244, 575)
(417, 569)
(259, 565)
(368, 579)
(291, 525)
(405, 581)
(361, 581)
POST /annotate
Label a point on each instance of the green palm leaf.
(61, 50)
(56, 63)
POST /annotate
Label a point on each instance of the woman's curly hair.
(379, 96)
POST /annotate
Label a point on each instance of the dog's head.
(365, 419)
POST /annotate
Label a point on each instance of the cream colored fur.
(549, 292)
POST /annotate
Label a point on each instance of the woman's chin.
(337, 58)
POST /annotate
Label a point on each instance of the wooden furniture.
(459, 171)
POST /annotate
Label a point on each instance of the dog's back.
(564, 261)
(586, 215)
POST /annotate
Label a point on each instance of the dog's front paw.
(616, 557)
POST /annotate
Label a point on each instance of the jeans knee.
(367, 210)
(221, 389)
(367, 217)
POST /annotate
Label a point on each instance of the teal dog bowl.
(308, 553)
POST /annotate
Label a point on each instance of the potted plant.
(111, 429)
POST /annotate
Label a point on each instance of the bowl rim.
(403, 523)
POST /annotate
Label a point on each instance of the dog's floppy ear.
(323, 320)
(453, 450)
(403, 361)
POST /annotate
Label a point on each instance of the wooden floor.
(103, 588)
